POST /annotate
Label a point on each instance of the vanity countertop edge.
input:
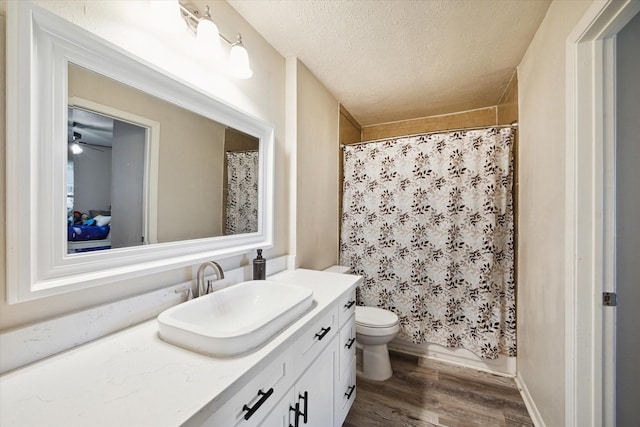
(132, 377)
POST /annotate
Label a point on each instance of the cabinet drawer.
(347, 344)
(345, 393)
(314, 339)
(257, 398)
(346, 306)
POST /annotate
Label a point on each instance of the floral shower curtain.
(242, 192)
(428, 222)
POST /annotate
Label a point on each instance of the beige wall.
(507, 113)
(3, 193)
(541, 287)
(317, 164)
(261, 96)
(190, 179)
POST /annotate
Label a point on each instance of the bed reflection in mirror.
(142, 171)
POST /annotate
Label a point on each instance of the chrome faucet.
(201, 288)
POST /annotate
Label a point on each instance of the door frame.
(589, 212)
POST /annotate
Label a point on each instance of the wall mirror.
(115, 169)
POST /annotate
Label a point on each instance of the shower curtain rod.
(241, 151)
(512, 125)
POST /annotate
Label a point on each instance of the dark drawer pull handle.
(323, 333)
(252, 410)
(349, 304)
(306, 399)
(350, 391)
(296, 412)
(349, 343)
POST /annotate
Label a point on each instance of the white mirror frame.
(39, 47)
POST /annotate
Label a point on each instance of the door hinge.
(609, 299)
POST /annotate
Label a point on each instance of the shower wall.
(473, 118)
(350, 132)
(507, 108)
(350, 129)
(504, 112)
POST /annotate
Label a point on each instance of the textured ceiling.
(396, 60)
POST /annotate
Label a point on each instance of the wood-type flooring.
(424, 392)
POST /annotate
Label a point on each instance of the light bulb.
(75, 148)
(208, 37)
(239, 61)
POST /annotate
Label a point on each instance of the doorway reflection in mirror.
(105, 172)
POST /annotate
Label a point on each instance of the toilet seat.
(377, 332)
(376, 322)
(373, 317)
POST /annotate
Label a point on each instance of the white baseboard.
(505, 366)
(528, 402)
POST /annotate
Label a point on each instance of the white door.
(627, 228)
(127, 184)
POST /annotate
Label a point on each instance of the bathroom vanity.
(304, 376)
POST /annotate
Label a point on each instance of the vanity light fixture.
(206, 31)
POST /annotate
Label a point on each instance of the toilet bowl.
(375, 327)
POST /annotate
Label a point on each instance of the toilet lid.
(374, 317)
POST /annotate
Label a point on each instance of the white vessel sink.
(236, 319)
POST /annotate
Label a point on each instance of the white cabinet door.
(282, 412)
(345, 393)
(314, 390)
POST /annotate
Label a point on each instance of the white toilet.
(375, 327)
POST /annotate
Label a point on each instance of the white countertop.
(132, 378)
